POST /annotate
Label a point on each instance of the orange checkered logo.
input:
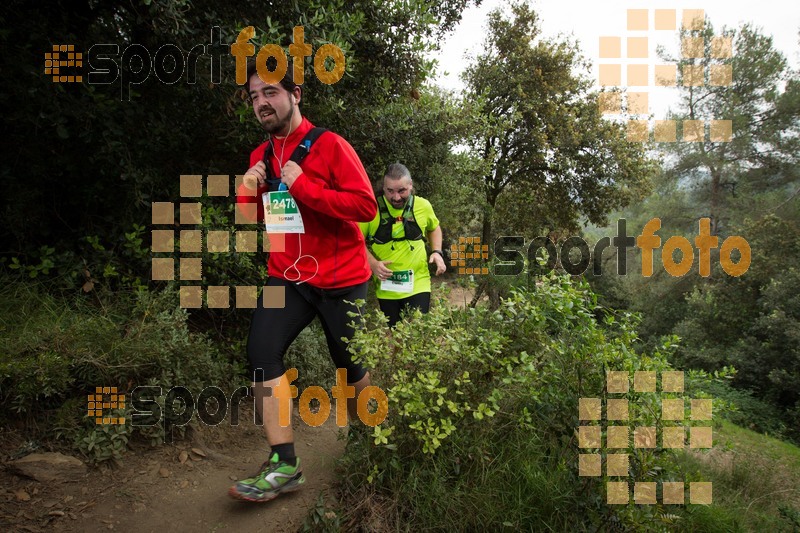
(708, 63)
(469, 249)
(105, 398)
(63, 57)
(178, 253)
(672, 432)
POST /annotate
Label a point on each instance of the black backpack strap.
(273, 181)
(384, 232)
(267, 155)
(410, 225)
(300, 153)
(305, 145)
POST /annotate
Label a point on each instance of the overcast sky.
(588, 20)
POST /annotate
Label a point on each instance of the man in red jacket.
(318, 261)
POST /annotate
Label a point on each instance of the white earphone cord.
(294, 265)
(299, 240)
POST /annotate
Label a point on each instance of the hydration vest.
(410, 227)
(300, 153)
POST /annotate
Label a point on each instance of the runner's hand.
(290, 172)
(440, 266)
(256, 176)
(380, 270)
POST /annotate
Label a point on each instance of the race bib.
(399, 281)
(281, 214)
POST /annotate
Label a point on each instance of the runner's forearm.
(435, 238)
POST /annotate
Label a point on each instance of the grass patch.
(756, 482)
(752, 443)
(53, 351)
(513, 484)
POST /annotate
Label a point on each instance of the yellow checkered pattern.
(719, 49)
(618, 437)
(105, 398)
(469, 248)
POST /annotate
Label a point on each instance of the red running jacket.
(333, 193)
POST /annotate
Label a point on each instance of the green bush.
(748, 411)
(483, 415)
(101, 443)
(53, 353)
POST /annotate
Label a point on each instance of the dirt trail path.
(459, 296)
(154, 492)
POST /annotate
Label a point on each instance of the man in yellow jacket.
(396, 245)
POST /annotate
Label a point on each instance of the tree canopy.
(549, 157)
(79, 159)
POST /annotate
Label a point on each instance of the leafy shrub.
(53, 353)
(101, 443)
(483, 415)
(745, 410)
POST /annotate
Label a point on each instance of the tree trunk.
(478, 293)
(486, 238)
(486, 232)
(715, 192)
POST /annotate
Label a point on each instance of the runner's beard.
(275, 125)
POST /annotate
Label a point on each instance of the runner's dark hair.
(287, 82)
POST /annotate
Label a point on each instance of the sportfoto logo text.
(180, 405)
(169, 64)
(574, 255)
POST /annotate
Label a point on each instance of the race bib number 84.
(399, 281)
